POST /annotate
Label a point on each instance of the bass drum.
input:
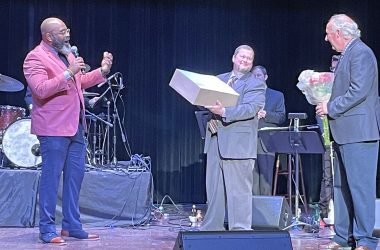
(20, 146)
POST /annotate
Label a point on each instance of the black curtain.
(150, 39)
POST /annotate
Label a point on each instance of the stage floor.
(160, 233)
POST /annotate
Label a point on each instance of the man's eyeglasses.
(62, 32)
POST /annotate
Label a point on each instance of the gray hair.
(344, 23)
(262, 68)
(247, 47)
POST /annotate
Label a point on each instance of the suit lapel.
(53, 56)
(241, 82)
(344, 57)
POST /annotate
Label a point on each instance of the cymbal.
(89, 94)
(8, 84)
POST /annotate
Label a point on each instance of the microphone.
(108, 79)
(121, 82)
(74, 50)
(36, 151)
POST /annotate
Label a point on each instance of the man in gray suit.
(353, 112)
(272, 115)
(231, 149)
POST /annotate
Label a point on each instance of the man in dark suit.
(231, 151)
(272, 115)
(353, 112)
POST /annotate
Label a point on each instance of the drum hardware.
(116, 118)
(8, 115)
(36, 150)
(20, 146)
(96, 153)
(89, 94)
(8, 84)
(100, 153)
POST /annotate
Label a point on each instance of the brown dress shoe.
(362, 248)
(81, 235)
(333, 245)
(58, 240)
(52, 238)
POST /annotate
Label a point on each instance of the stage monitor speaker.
(231, 240)
(270, 212)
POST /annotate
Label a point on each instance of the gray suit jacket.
(353, 109)
(237, 131)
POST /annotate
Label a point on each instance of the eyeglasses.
(62, 32)
(243, 57)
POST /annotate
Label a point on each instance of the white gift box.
(202, 90)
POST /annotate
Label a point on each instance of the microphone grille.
(74, 49)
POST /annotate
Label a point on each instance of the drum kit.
(22, 149)
(101, 152)
(18, 145)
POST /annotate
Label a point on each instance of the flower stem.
(326, 131)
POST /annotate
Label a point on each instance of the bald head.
(55, 33)
(50, 24)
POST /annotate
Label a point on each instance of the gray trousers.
(228, 184)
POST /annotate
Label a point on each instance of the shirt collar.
(50, 48)
(348, 45)
(237, 75)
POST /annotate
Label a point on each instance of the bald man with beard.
(55, 79)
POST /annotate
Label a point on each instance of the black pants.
(326, 193)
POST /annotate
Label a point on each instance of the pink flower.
(316, 86)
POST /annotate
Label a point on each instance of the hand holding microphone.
(78, 63)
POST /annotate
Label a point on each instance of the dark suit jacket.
(237, 131)
(353, 109)
(275, 108)
(275, 116)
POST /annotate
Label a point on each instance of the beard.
(61, 46)
(243, 69)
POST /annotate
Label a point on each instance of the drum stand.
(115, 118)
(97, 118)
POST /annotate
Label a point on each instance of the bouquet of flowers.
(316, 86)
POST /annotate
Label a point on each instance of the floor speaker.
(226, 240)
(270, 212)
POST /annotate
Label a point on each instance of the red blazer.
(56, 101)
